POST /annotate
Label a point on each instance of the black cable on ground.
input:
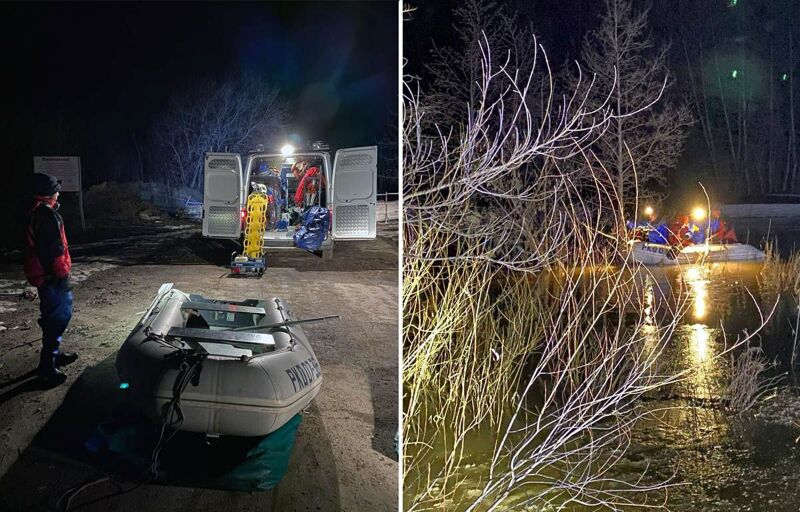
(190, 364)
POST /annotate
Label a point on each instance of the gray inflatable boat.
(257, 371)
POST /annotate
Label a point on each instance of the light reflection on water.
(698, 338)
(696, 277)
(719, 308)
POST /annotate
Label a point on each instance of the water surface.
(721, 461)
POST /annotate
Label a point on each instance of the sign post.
(66, 169)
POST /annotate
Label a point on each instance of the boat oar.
(284, 324)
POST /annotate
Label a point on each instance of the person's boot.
(51, 377)
(65, 358)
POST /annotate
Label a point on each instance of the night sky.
(110, 68)
(559, 24)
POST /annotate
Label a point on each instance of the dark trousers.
(56, 309)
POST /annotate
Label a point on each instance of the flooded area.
(712, 459)
(723, 461)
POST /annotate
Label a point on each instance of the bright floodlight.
(287, 150)
(648, 210)
(698, 214)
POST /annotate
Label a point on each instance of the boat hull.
(245, 396)
(658, 254)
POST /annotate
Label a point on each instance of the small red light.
(235, 270)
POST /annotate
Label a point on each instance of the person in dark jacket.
(47, 266)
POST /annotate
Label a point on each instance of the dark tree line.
(738, 60)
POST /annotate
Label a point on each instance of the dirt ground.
(344, 458)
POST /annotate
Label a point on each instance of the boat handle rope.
(283, 317)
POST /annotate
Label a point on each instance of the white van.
(348, 189)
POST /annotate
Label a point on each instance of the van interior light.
(698, 214)
(287, 150)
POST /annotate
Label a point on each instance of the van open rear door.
(222, 195)
(355, 180)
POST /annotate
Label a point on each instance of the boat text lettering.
(304, 373)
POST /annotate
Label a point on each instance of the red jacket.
(46, 249)
(679, 233)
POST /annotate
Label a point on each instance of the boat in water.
(662, 254)
(248, 367)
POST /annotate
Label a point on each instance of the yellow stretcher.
(255, 224)
(253, 259)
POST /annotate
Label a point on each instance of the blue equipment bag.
(312, 233)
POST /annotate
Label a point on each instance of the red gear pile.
(310, 173)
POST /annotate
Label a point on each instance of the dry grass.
(780, 276)
(748, 385)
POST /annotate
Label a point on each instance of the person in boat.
(642, 229)
(659, 234)
(680, 232)
(47, 266)
(720, 232)
(698, 231)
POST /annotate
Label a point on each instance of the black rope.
(189, 364)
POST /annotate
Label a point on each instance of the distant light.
(698, 214)
(732, 3)
(784, 77)
(648, 210)
(124, 385)
(734, 73)
(287, 150)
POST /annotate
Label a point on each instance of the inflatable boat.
(254, 369)
(658, 254)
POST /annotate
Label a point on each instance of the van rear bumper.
(276, 243)
(289, 243)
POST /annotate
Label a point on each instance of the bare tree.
(213, 116)
(457, 69)
(740, 62)
(642, 144)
